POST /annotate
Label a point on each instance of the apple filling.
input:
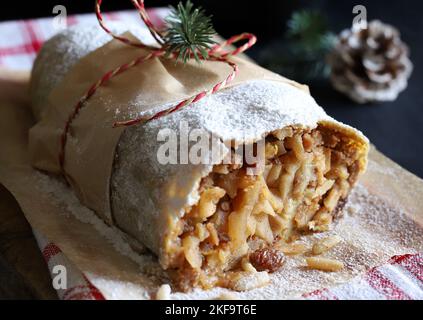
(307, 174)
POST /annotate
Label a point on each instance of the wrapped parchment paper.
(201, 219)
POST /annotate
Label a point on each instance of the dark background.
(396, 128)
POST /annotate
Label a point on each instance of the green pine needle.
(189, 32)
(301, 54)
(309, 30)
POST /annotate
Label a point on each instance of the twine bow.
(216, 53)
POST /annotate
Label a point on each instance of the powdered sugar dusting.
(63, 51)
(64, 197)
(375, 167)
(372, 232)
(246, 112)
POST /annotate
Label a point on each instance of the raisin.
(267, 259)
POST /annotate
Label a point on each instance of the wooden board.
(23, 272)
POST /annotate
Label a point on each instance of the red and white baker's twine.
(216, 53)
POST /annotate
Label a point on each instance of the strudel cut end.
(240, 218)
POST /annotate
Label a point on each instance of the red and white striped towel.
(20, 40)
(400, 278)
(78, 287)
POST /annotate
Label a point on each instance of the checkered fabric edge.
(20, 40)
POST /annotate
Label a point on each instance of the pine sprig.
(310, 32)
(189, 32)
(301, 54)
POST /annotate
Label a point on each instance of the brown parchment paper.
(118, 275)
(92, 140)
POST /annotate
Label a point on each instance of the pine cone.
(370, 64)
